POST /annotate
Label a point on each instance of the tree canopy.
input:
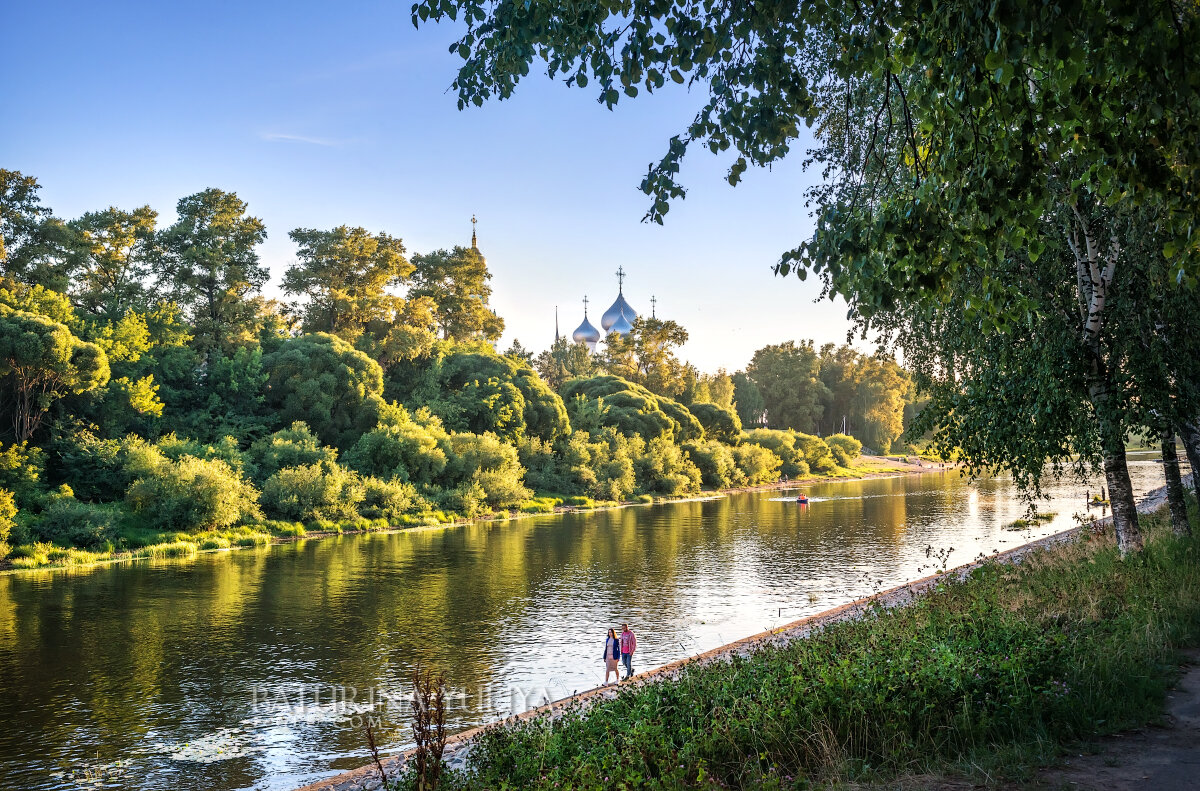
(42, 361)
(211, 266)
(481, 392)
(646, 355)
(633, 410)
(786, 377)
(325, 382)
(344, 274)
(456, 281)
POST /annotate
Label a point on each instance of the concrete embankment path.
(367, 778)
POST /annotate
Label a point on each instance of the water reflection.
(223, 672)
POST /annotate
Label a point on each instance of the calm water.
(228, 671)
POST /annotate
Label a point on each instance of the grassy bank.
(992, 675)
(134, 542)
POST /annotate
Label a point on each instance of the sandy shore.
(458, 746)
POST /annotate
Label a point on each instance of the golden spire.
(474, 242)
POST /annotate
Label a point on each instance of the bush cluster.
(367, 462)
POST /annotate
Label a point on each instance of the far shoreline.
(886, 467)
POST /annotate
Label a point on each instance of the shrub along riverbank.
(993, 674)
(110, 533)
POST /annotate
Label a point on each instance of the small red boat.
(802, 499)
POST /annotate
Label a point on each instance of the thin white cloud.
(280, 137)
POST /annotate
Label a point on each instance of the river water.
(255, 669)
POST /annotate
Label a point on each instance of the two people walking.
(619, 648)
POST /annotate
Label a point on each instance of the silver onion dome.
(620, 308)
(585, 333)
(622, 325)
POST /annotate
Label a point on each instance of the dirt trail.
(1164, 757)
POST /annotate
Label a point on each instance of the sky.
(326, 114)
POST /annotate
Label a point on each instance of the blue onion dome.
(622, 325)
(585, 333)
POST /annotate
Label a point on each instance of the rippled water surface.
(251, 669)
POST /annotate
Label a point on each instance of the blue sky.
(324, 114)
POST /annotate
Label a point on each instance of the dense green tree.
(719, 424)
(489, 465)
(94, 467)
(716, 462)
(713, 389)
(33, 243)
(407, 448)
(23, 472)
(786, 376)
(480, 391)
(152, 351)
(294, 446)
(748, 400)
(325, 382)
(66, 521)
(845, 449)
(323, 490)
(8, 510)
(129, 401)
(457, 282)
(110, 258)
(564, 360)
(210, 266)
(633, 410)
(839, 366)
(519, 353)
(41, 361)
(758, 464)
(344, 275)
(783, 444)
(882, 389)
(599, 466)
(662, 467)
(646, 356)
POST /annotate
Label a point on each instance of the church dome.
(586, 333)
(619, 310)
(622, 325)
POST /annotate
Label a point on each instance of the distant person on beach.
(612, 655)
(628, 646)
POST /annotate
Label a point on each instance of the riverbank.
(182, 546)
(994, 665)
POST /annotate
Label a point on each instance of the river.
(254, 669)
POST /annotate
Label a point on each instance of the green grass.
(175, 549)
(1037, 518)
(540, 505)
(990, 676)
